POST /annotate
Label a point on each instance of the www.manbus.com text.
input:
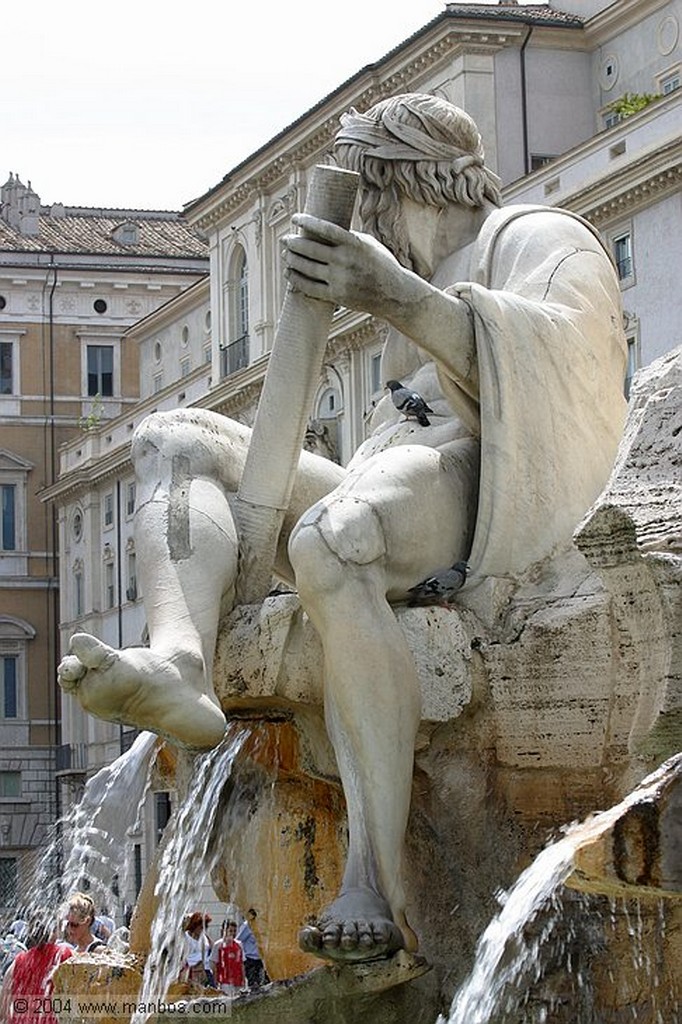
(86, 1008)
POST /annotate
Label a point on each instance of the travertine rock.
(543, 701)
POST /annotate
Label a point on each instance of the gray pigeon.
(409, 402)
(440, 588)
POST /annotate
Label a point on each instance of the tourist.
(508, 322)
(12, 944)
(28, 981)
(227, 957)
(104, 926)
(197, 966)
(80, 924)
(253, 964)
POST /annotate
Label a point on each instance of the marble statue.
(507, 321)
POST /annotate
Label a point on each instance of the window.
(130, 498)
(8, 533)
(328, 405)
(8, 882)
(157, 383)
(622, 254)
(99, 306)
(78, 591)
(6, 375)
(538, 160)
(632, 365)
(10, 785)
(101, 370)
(137, 870)
(15, 634)
(185, 367)
(235, 355)
(131, 589)
(110, 591)
(162, 812)
(375, 383)
(77, 524)
(670, 82)
(612, 118)
(9, 686)
(109, 509)
(243, 299)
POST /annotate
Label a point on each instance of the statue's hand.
(343, 267)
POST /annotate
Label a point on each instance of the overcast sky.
(145, 104)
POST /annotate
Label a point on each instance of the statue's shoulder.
(509, 225)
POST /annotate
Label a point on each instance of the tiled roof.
(536, 14)
(86, 231)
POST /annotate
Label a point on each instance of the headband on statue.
(391, 139)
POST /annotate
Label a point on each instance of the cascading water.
(188, 857)
(501, 955)
(94, 832)
(505, 963)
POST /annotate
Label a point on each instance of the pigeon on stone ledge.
(440, 588)
(409, 402)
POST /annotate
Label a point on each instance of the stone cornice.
(311, 139)
(617, 18)
(355, 338)
(186, 301)
(650, 178)
(94, 471)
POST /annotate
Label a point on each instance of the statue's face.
(420, 223)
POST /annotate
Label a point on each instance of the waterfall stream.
(503, 959)
(93, 835)
(187, 859)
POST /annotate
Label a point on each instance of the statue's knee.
(316, 567)
(331, 541)
(151, 435)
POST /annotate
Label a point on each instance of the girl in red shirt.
(27, 985)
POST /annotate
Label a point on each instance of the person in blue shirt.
(253, 964)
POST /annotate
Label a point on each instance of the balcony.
(72, 758)
(234, 356)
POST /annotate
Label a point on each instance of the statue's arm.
(357, 271)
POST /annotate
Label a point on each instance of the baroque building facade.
(540, 81)
(72, 280)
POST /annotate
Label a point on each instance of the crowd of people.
(34, 947)
(232, 963)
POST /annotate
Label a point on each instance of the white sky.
(147, 104)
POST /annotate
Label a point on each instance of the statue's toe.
(310, 939)
(92, 652)
(70, 671)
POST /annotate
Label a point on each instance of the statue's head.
(414, 145)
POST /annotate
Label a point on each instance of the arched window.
(235, 354)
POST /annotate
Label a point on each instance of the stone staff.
(286, 402)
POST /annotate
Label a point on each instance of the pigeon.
(440, 588)
(409, 402)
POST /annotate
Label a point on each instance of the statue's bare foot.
(136, 686)
(357, 926)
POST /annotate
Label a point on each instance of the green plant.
(94, 416)
(632, 102)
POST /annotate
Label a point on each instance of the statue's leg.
(186, 558)
(395, 519)
(187, 464)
